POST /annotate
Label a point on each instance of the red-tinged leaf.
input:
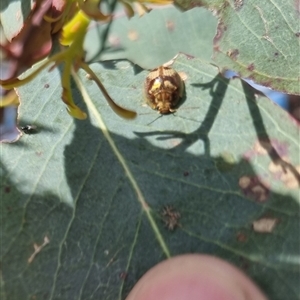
(59, 15)
(33, 42)
(59, 6)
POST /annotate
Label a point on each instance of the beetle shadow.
(217, 89)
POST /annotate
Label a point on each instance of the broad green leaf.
(153, 39)
(258, 39)
(13, 15)
(215, 161)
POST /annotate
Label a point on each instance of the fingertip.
(194, 277)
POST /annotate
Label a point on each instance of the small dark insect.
(29, 129)
(170, 217)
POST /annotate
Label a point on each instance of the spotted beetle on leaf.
(163, 89)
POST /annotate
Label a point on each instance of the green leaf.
(100, 207)
(258, 39)
(153, 39)
(13, 15)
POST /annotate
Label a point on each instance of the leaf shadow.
(212, 220)
(112, 65)
(106, 233)
(262, 135)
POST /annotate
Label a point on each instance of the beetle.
(163, 89)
